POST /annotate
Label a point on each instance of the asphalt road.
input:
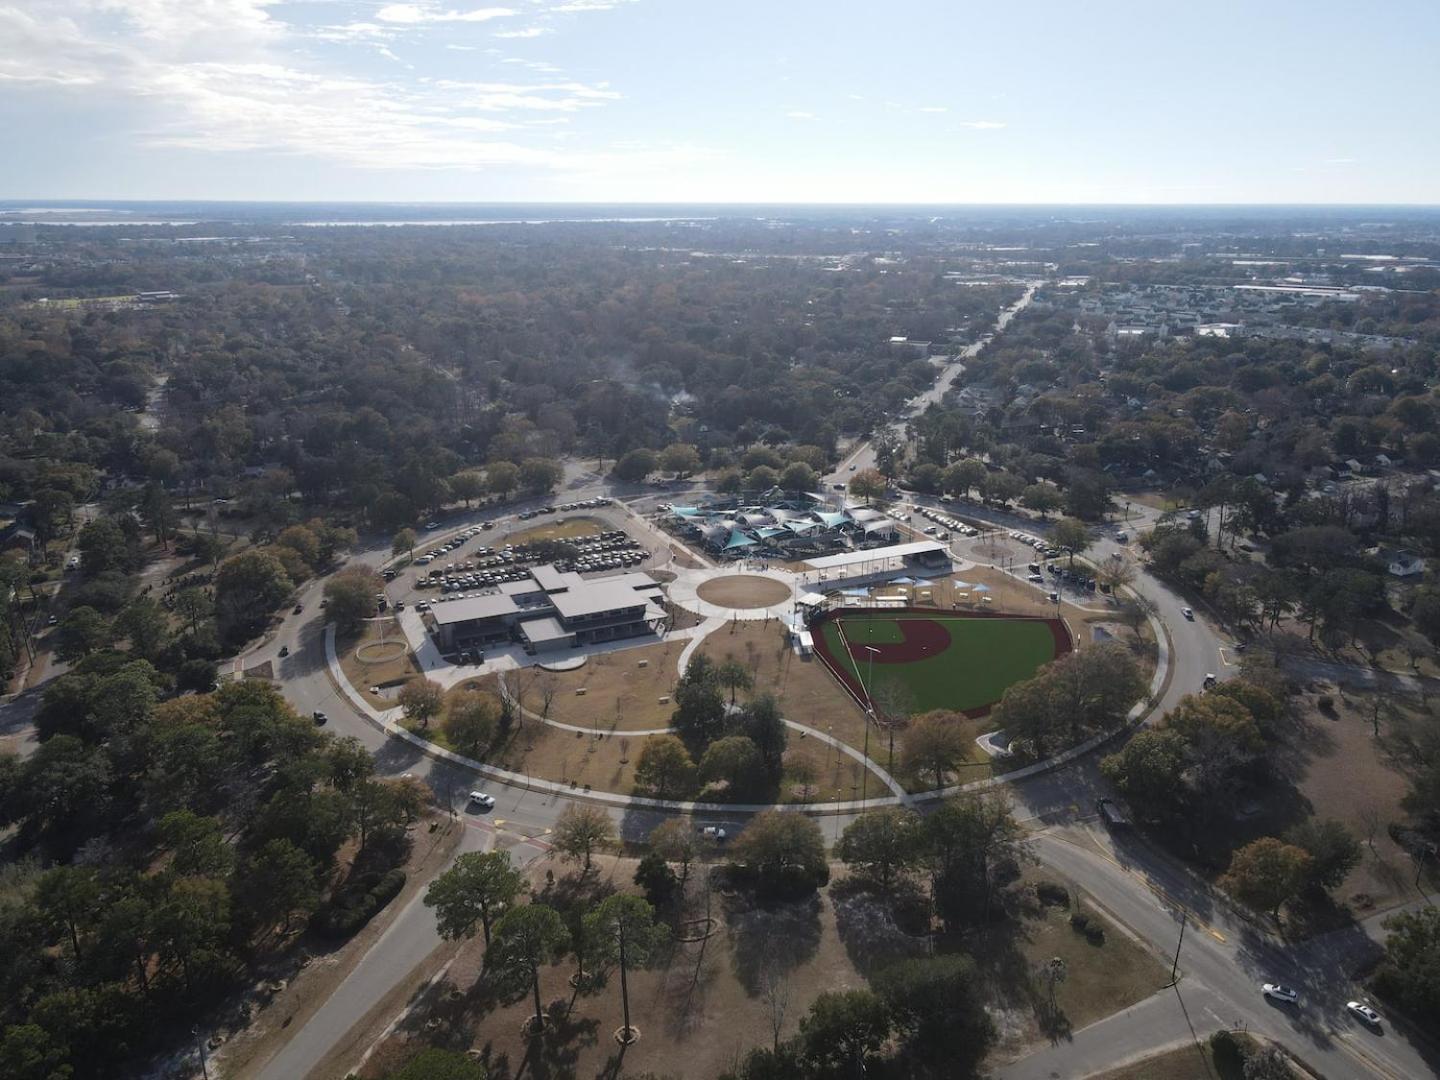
(406, 941)
(1223, 962)
(862, 456)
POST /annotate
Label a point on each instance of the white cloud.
(800, 114)
(537, 97)
(982, 125)
(356, 31)
(177, 21)
(935, 108)
(1342, 161)
(528, 32)
(414, 14)
(220, 76)
(590, 5)
(539, 66)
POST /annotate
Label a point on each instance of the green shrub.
(357, 903)
(388, 887)
(1229, 1055)
(1052, 893)
(1093, 930)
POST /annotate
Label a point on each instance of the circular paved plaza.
(743, 591)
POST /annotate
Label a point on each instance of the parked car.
(431, 526)
(298, 609)
(1278, 992)
(1364, 1012)
(480, 799)
(320, 718)
(714, 832)
(1188, 613)
(284, 650)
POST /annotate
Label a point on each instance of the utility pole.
(200, 1047)
(1175, 966)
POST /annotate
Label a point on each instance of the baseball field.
(940, 659)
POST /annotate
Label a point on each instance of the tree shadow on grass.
(1011, 976)
(555, 1051)
(576, 893)
(689, 971)
(867, 924)
(776, 937)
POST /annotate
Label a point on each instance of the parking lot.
(478, 560)
(945, 525)
(1043, 572)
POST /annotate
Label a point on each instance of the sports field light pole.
(869, 716)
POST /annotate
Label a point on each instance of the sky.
(809, 101)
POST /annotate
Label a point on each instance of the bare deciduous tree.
(1369, 817)
(775, 993)
(548, 689)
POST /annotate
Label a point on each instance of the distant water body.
(341, 215)
(163, 213)
(497, 221)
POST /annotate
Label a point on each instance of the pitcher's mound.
(743, 591)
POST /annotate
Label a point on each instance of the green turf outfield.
(984, 658)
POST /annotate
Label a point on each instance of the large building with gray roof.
(550, 610)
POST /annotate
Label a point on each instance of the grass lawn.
(1191, 1062)
(703, 1004)
(565, 529)
(605, 760)
(1101, 979)
(622, 688)
(808, 694)
(363, 676)
(697, 1008)
(983, 658)
(804, 688)
(1341, 771)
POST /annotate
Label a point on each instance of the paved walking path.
(388, 720)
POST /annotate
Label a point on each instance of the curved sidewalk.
(385, 722)
(805, 732)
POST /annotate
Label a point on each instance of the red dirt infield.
(923, 638)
